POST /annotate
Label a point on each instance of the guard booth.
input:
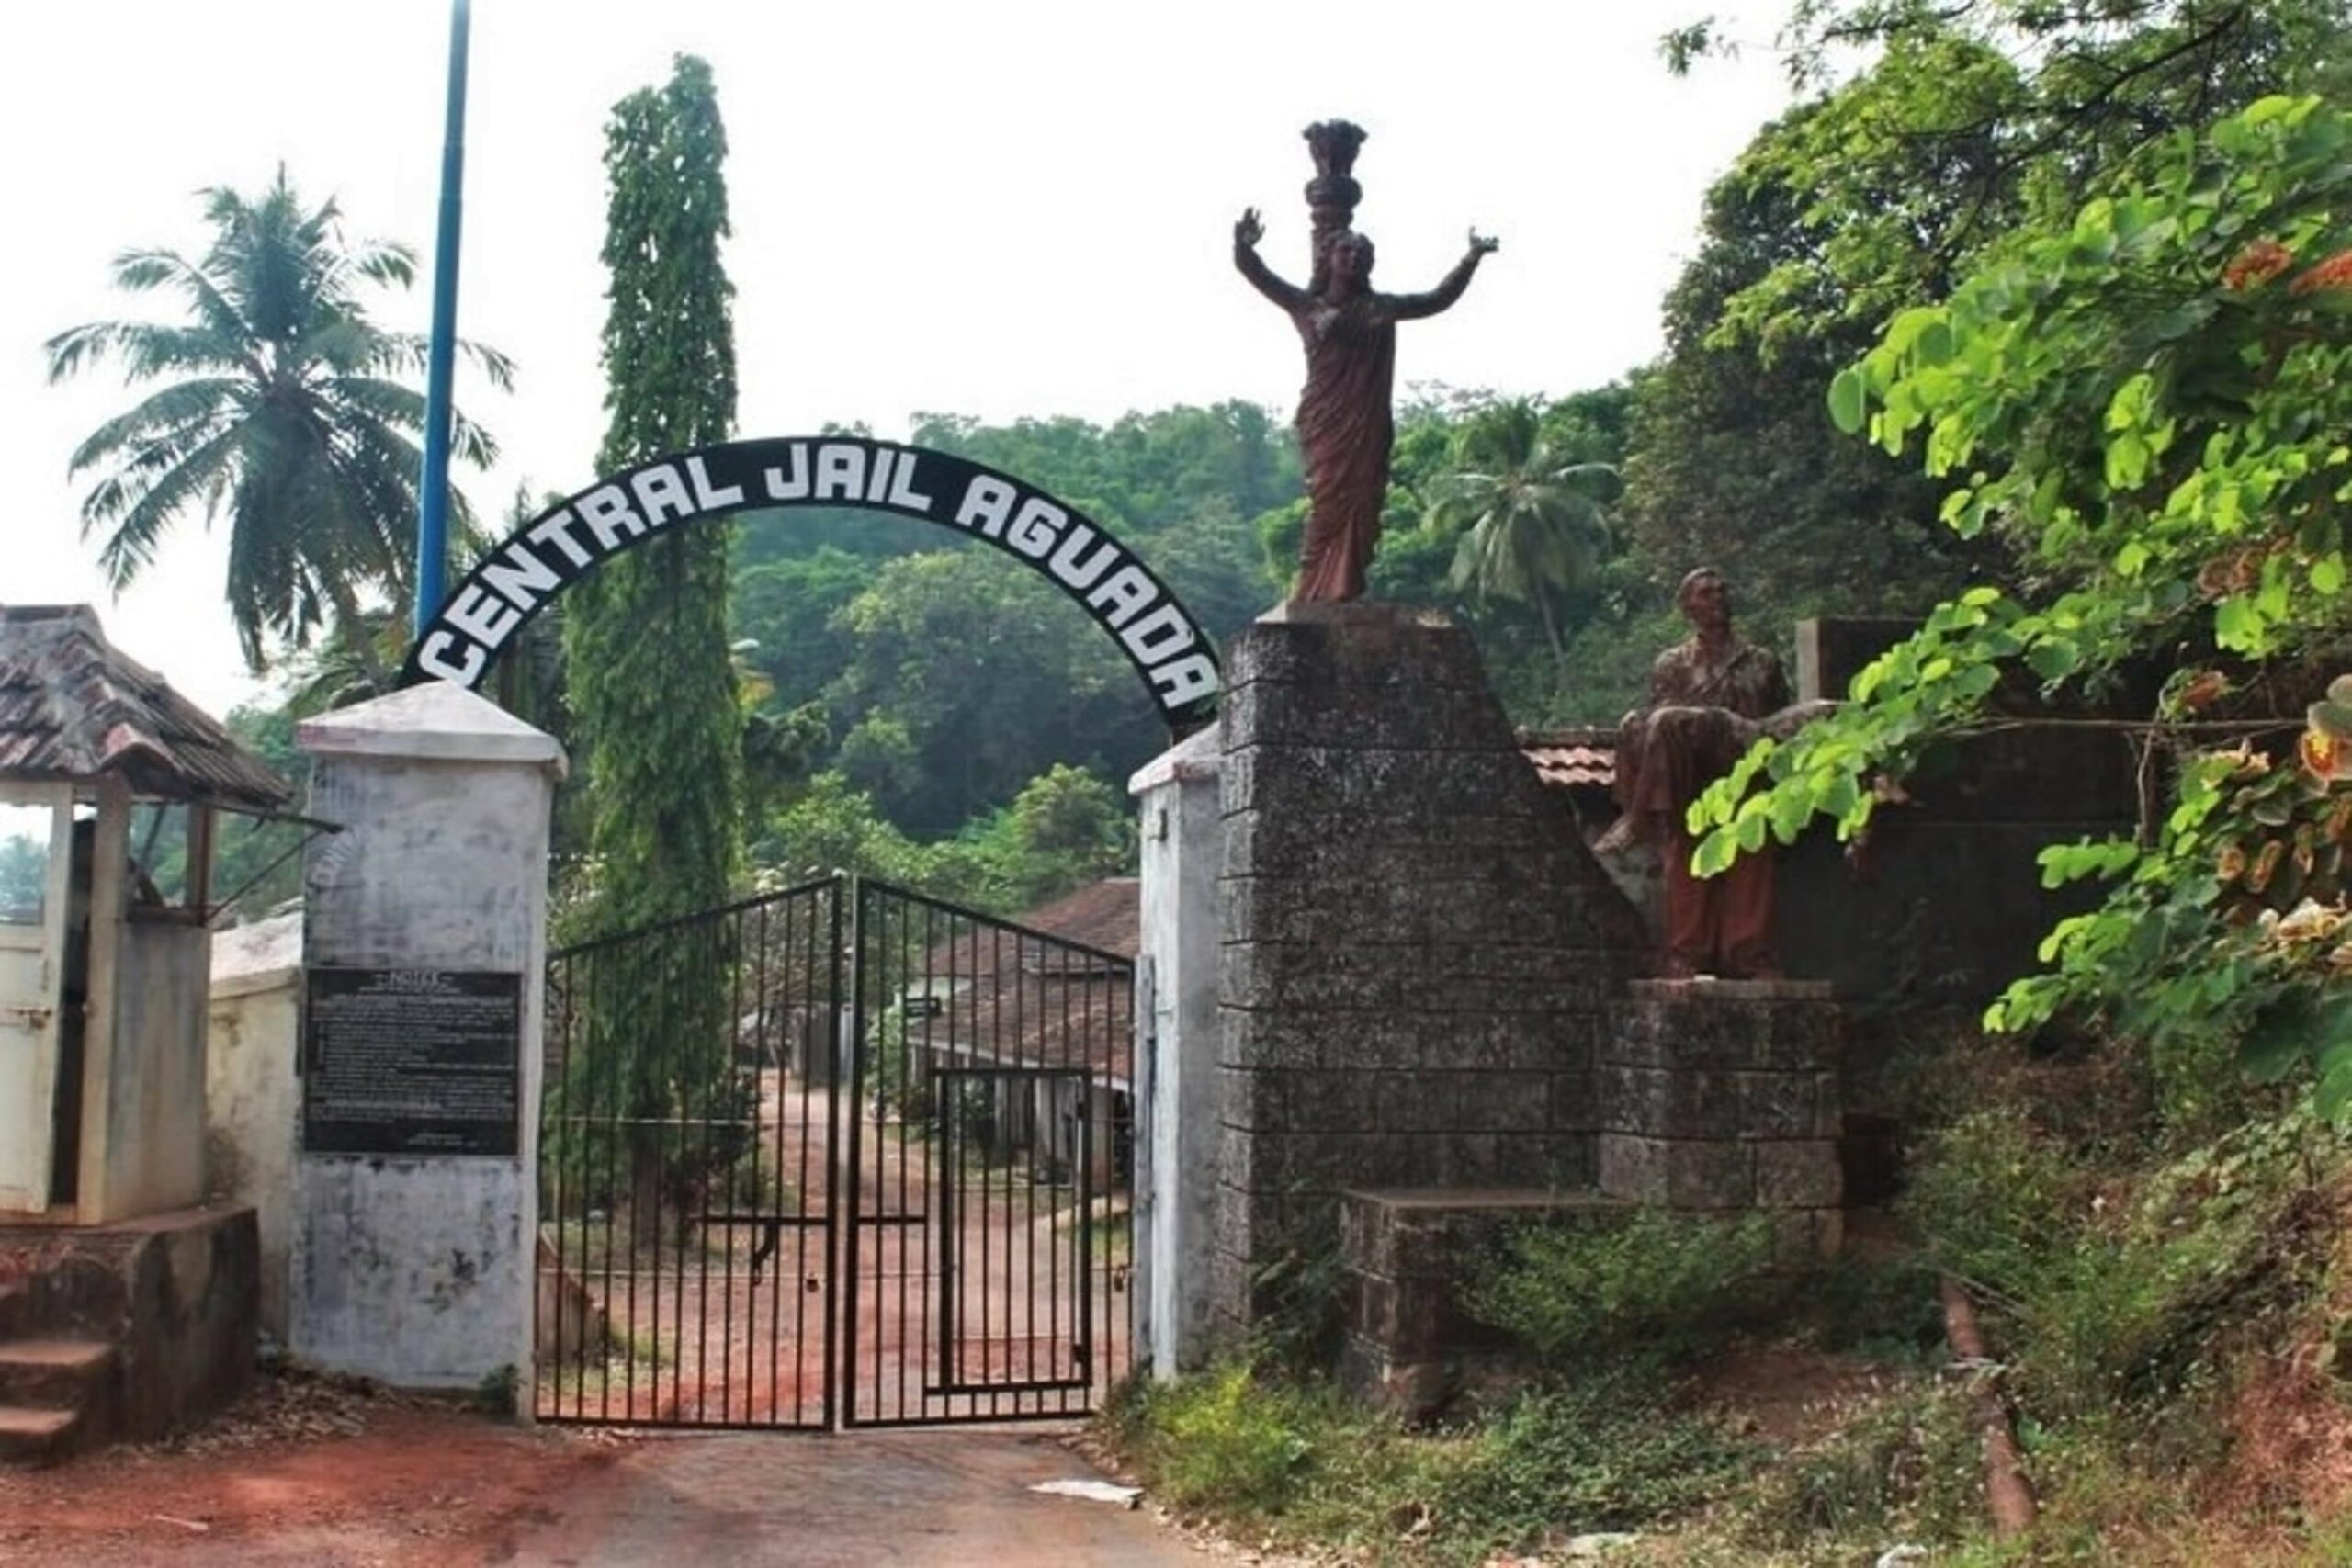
(110, 783)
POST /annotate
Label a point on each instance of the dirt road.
(422, 1488)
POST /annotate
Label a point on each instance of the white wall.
(252, 1098)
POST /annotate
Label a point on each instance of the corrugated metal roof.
(1572, 759)
(74, 707)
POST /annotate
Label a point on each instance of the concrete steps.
(57, 1396)
(38, 1436)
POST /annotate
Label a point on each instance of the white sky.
(1002, 209)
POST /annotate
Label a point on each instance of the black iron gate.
(843, 1155)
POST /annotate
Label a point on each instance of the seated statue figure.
(1710, 696)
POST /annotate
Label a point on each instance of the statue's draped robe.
(1345, 431)
(1702, 718)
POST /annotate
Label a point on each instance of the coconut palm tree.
(1532, 523)
(282, 404)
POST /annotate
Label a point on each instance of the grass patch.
(1295, 1464)
(1661, 1281)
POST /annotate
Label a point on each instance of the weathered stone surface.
(1382, 666)
(1417, 950)
(1798, 1175)
(1783, 1026)
(1453, 718)
(1681, 1174)
(1405, 1252)
(177, 1297)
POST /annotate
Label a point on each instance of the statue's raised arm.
(1412, 307)
(1247, 231)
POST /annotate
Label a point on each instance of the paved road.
(930, 1499)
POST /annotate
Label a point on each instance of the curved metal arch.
(547, 554)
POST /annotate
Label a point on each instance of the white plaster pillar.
(416, 1267)
(1176, 1047)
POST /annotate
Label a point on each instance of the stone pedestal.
(416, 1267)
(1410, 1347)
(1417, 950)
(1724, 1095)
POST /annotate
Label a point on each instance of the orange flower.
(2336, 272)
(2257, 264)
(2324, 757)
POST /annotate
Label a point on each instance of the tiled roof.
(1570, 759)
(1009, 994)
(72, 708)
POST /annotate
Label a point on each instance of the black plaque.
(412, 1062)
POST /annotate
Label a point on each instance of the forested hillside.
(909, 689)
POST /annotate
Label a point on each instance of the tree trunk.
(2007, 1491)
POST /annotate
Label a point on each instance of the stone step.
(53, 1373)
(37, 1437)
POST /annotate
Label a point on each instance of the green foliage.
(1296, 1462)
(1532, 520)
(1064, 828)
(1656, 1281)
(2108, 1301)
(967, 677)
(1732, 464)
(1932, 129)
(283, 405)
(1598, 1455)
(2148, 400)
(1226, 1443)
(949, 676)
(496, 1393)
(1500, 514)
(24, 874)
(256, 863)
(1906, 1468)
(651, 682)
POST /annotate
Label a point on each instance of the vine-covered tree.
(650, 673)
(282, 404)
(645, 649)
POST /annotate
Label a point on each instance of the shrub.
(2110, 1296)
(1225, 1442)
(1655, 1281)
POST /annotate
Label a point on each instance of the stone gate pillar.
(1417, 953)
(425, 942)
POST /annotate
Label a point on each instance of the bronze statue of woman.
(1345, 428)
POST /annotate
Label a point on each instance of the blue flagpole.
(432, 509)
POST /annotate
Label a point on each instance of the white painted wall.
(252, 1098)
(418, 1270)
(1176, 1034)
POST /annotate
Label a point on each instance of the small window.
(161, 846)
(28, 835)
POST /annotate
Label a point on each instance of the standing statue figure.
(1345, 427)
(1710, 698)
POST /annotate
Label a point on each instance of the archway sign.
(550, 552)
